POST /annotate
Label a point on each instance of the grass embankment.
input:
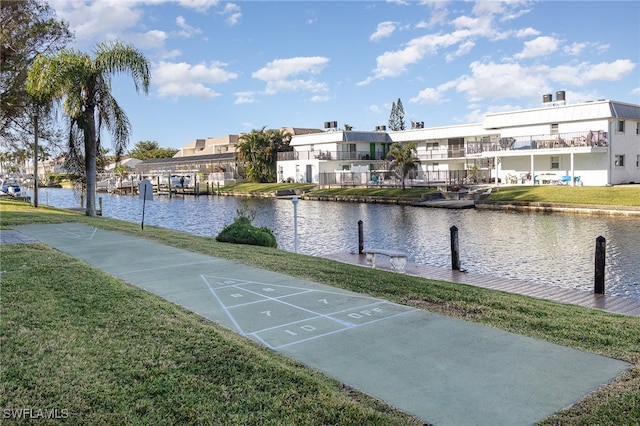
(586, 195)
(76, 338)
(270, 188)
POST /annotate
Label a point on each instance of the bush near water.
(241, 231)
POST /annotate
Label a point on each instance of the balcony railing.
(441, 153)
(544, 141)
(330, 155)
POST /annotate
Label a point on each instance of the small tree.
(403, 159)
(242, 231)
(396, 118)
(392, 116)
(146, 150)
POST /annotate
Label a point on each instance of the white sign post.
(295, 200)
(146, 193)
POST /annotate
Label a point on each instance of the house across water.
(592, 143)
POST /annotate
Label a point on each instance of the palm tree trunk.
(90, 157)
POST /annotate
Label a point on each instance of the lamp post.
(295, 200)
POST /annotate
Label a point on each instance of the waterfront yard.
(75, 338)
(622, 195)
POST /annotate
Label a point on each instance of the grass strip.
(599, 332)
(594, 195)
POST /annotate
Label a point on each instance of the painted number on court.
(307, 328)
(365, 313)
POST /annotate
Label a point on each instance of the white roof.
(554, 113)
(129, 162)
(339, 136)
(460, 131)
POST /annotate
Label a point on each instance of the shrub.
(241, 231)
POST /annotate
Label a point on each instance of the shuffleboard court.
(443, 370)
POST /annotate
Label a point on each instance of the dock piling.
(599, 265)
(455, 249)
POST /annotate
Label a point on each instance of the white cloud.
(279, 73)
(232, 12)
(393, 64)
(374, 109)
(468, 29)
(181, 79)
(494, 81)
(540, 46)
(320, 98)
(153, 39)
(512, 80)
(384, 30)
(576, 49)
(427, 96)
(198, 5)
(99, 20)
(187, 30)
(527, 32)
(635, 91)
(607, 71)
(438, 13)
(245, 98)
(463, 49)
(103, 19)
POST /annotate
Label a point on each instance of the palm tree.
(259, 151)
(403, 159)
(83, 84)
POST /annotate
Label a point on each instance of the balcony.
(561, 140)
(329, 156)
(441, 153)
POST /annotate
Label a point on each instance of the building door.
(309, 173)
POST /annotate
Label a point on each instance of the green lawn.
(270, 188)
(75, 338)
(609, 196)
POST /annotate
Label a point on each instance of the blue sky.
(230, 67)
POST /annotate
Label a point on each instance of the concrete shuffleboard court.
(443, 370)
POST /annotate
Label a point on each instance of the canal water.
(554, 249)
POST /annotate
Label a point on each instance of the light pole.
(295, 200)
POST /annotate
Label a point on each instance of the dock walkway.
(613, 304)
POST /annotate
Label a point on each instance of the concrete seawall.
(588, 209)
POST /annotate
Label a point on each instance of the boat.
(12, 189)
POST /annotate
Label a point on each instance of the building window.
(638, 128)
(620, 126)
(619, 161)
(554, 129)
(555, 163)
(638, 161)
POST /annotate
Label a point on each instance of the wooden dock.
(613, 304)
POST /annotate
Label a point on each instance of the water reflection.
(553, 249)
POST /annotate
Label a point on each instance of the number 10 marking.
(304, 327)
